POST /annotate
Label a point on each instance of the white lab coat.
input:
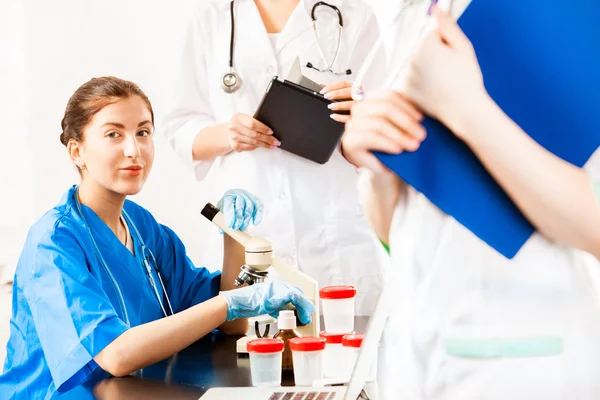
(453, 287)
(313, 215)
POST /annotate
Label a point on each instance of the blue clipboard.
(541, 64)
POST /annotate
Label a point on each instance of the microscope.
(259, 258)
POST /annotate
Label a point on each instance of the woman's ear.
(76, 153)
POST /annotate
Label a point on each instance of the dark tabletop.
(210, 362)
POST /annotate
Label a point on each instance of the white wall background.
(15, 157)
(56, 46)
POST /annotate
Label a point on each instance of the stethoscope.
(231, 81)
(148, 263)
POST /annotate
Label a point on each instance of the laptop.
(355, 388)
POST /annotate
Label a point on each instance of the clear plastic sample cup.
(336, 357)
(307, 353)
(352, 343)
(265, 362)
(338, 308)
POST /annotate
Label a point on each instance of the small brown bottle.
(286, 322)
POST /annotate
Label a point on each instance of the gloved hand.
(267, 298)
(239, 208)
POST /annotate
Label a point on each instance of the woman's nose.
(132, 147)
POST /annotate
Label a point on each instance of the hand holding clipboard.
(300, 118)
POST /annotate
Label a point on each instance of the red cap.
(265, 346)
(307, 343)
(338, 292)
(353, 340)
(334, 338)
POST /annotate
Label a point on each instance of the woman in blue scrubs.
(101, 287)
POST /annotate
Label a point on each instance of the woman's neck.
(275, 13)
(105, 203)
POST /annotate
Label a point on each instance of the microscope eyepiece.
(209, 211)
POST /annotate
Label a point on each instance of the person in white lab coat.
(312, 212)
(469, 323)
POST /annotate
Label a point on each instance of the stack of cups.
(307, 353)
(338, 315)
(265, 361)
(352, 345)
(336, 358)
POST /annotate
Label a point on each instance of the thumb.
(449, 30)
(304, 308)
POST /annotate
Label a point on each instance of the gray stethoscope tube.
(231, 81)
(146, 254)
(328, 66)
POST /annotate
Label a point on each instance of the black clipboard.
(300, 120)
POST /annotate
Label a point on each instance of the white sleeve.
(189, 110)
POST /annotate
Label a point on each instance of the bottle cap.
(353, 340)
(307, 343)
(286, 320)
(338, 292)
(334, 338)
(265, 345)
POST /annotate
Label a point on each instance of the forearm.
(149, 343)
(382, 196)
(554, 195)
(233, 258)
(211, 143)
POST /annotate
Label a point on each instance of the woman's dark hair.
(90, 98)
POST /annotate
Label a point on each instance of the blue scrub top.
(65, 308)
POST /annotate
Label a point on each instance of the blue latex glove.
(240, 208)
(267, 298)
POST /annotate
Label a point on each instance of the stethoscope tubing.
(147, 267)
(230, 88)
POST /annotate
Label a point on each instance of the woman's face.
(118, 147)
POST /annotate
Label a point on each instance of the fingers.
(381, 135)
(292, 294)
(370, 161)
(257, 217)
(249, 209)
(335, 86)
(257, 209)
(389, 116)
(247, 133)
(246, 222)
(340, 118)
(239, 206)
(339, 94)
(304, 308)
(252, 124)
(388, 124)
(255, 138)
(403, 103)
(389, 100)
(406, 124)
(341, 105)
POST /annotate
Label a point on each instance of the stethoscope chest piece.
(230, 82)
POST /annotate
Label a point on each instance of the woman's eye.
(144, 133)
(113, 135)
